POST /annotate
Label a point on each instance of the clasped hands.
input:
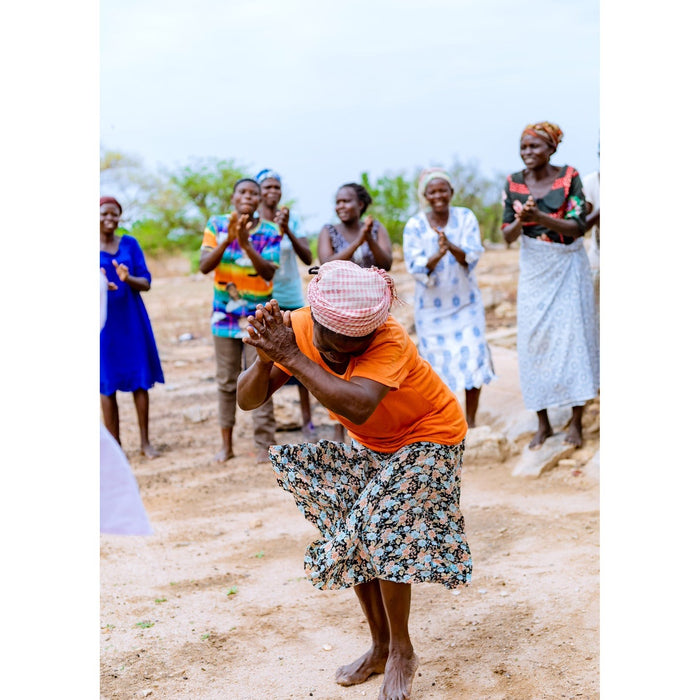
(238, 229)
(282, 219)
(366, 231)
(270, 333)
(529, 213)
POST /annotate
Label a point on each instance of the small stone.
(533, 463)
(327, 647)
(253, 524)
(195, 414)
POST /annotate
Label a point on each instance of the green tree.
(206, 185)
(391, 202)
(124, 177)
(168, 211)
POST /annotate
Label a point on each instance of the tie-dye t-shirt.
(237, 285)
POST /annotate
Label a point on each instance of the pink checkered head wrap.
(351, 300)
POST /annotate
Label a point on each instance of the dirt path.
(215, 604)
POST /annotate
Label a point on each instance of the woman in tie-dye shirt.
(243, 250)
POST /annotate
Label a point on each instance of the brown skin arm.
(355, 399)
(140, 284)
(238, 229)
(381, 246)
(325, 249)
(441, 252)
(211, 257)
(300, 244)
(592, 217)
(264, 268)
(512, 230)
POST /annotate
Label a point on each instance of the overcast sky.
(322, 90)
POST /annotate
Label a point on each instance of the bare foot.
(540, 436)
(149, 451)
(361, 669)
(574, 436)
(398, 677)
(223, 454)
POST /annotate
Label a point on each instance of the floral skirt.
(392, 516)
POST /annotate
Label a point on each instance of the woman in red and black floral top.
(557, 340)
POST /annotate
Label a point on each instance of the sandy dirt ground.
(215, 603)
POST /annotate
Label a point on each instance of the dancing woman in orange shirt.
(387, 505)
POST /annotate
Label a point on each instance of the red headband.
(110, 200)
(548, 131)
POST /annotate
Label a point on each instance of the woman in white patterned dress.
(442, 246)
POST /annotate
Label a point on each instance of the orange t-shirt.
(418, 408)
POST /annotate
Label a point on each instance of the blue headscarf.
(267, 174)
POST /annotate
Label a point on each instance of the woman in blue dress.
(128, 354)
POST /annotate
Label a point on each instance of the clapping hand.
(238, 228)
(122, 271)
(111, 286)
(443, 242)
(530, 213)
(366, 233)
(282, 219)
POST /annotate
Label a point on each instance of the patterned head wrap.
(427, 176)
(110, 200)
(551, 133)
(267, 174)
(351, 300)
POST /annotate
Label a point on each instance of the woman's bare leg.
(339, 433)
(544, 430)
(402, 663)
(472, 404)
(307, 427)
(226, 451)
(141, 403)
(304, 404)
(575, 434)
(110, 414)
(374, 660)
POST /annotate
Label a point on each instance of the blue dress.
(128, 353)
